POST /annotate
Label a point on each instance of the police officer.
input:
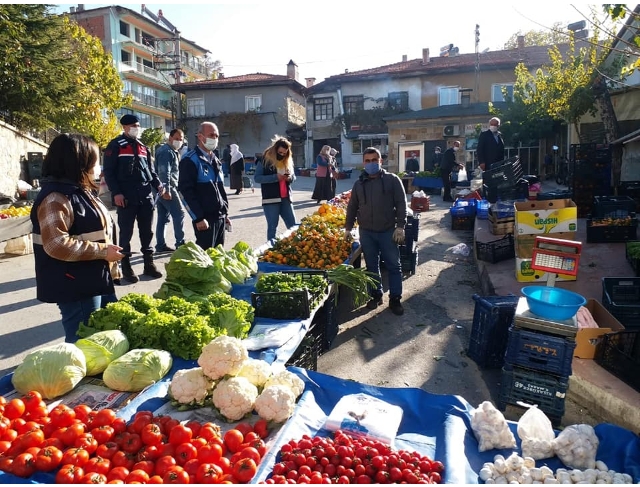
(130, 178)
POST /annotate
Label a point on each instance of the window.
(399, 100)
(124, 29)
(359, 145)
(147, 39)
(125, 57)
(497, 95)
(356, 147)
(353, 103)
(323, 108)
(253, 103)
(195, 107)
(127, 86)
(449, 95)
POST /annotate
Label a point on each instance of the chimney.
(72, 10)
(425, 55)
(404, 58)
(292, 70)
(160, 13)
(520, 42)
(310, 82)
(81, 7)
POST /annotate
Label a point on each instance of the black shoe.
(164, 248)
(395, 306)
(150, 268)
(127, 272)
(374, 303)
(237, 192)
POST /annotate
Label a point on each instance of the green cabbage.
(52, 371)
(137, 369)
(101, 348)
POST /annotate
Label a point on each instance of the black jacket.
(448, 161)
(490, 151)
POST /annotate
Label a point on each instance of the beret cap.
(129, 119)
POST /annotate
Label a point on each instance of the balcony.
(194, 64)
(148, 72)
(149, 100)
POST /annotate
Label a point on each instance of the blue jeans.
(273, 212)
(377, 244)
(172, 208)
(77, 312)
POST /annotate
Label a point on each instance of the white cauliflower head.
(286, 378)
(257, 371)
(276, 403)
(190, 386)
(234, 397)
(224, 355)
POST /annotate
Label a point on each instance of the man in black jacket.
(490, 145)
(448, 163)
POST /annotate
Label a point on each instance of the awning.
(633, 136)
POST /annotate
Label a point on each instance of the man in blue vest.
(201, 188)
(128, 173)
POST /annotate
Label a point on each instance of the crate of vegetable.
(633, 256)
(289, 295)
(602, 230)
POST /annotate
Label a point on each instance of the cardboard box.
(546, 216)
(524, 273)
(587, 338)
(524, 243)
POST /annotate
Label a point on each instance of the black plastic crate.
(288, 305)
(634, 262)
(612, 233)
(492, 317)
(496, 251)
(503, 174)
(306, 355)
(531, 387)
(462, 222)
(539, 351)
(325, 321)
(409, 262)
(619, 353)
(412, 227)
(408, 248)
(613, 206)
(621, 296)
(555, 195)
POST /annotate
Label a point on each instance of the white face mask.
(176, 144)
(211, 144)
(134, 132)
(97, 170)
(493, 128)
(456, 149)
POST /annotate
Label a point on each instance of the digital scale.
(524, 318)
(556, 256)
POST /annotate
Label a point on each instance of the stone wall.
(14, 147)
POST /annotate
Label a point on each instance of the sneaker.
(374, 303)
(164, 248)
(396, 307)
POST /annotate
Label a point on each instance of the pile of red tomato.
(80, 445)
(349, 460)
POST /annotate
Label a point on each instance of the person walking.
(275, 173)
(201, 187)
(448, 163)
(226, 159)
(129, 176)
(76, 258)
(169, 205)
(325, 186)
(379, 204)
(490, 145)
(236, 169)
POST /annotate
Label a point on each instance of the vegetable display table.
(435, 183)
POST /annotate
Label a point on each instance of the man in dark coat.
(448, 163)
(413, 163)
(490, 145)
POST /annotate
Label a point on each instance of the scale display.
(556, 256)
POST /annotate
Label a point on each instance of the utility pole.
(477, 84)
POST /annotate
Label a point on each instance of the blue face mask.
(372, 168)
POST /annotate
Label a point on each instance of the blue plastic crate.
(463, 208)
(503, 210)
(539, 351)
(492, 317)
(482, 209)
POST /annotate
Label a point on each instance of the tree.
(619, 12)
(152, 138)
(557, 34)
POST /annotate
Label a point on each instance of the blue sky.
(325, 38)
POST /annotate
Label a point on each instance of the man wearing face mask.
(490, 145)
(129, 176)
(448, 163)
(201, 187)
(379, 204)
(167, 165)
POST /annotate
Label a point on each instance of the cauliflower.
(224, 355)
(190, 387)
(286, 378)
(234, 397)
(276, 403)
(257, 371)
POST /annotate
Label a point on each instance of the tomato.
(210, 453)
(102, 434)
(137, 475)
(119, 425)
(208, 433)
(38, 412)
(24, 465)
(5, 424)
(132, 443)
(123, 459)
(259, 445)
(185, 452)
(175, 475)
(69, 474)
(69, 434)
(233, 439)
(149, 452)
(107, 450)
(6, 464)
(244, 470)
(251, 452)
(180, 434)
(93, 478)
(435, 477)
(163, 464)
(208, 473)
(62, 415)
(53, 442)
(167, 449)
(191, 467)
(262, 428)
(151, 434)
(75, 456)
(97, 464)
(225, 464)
(194, 426)
(33, 438)
(117, 473)
(146, 465)
(437, 466)
(156, 479)
(15, 408)
(48, 458)
(244, 428)
(138, 424)
(86, 441)
(9, 435)
(32, 400)
(104, 417)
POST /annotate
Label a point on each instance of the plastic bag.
(462, 175)
(537, 435)
(460, 249)
(576, 446)
(491, 428)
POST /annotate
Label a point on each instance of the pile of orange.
(333, 216)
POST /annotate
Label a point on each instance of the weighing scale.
(556, 256)
(524, 318)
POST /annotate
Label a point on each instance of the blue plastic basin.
(553, 303)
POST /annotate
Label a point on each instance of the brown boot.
(149, 267)
(127, 272)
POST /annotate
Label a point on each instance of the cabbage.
(137, 369)
(101, 348)
(52, 371)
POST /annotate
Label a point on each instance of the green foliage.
(556, 34)
(152, 138)
(620, 12)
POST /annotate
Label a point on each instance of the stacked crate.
(591, 175)
(538, 360)
(463, 214)
(613, 220)
(409, 251)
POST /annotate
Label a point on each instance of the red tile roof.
(254, 79)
